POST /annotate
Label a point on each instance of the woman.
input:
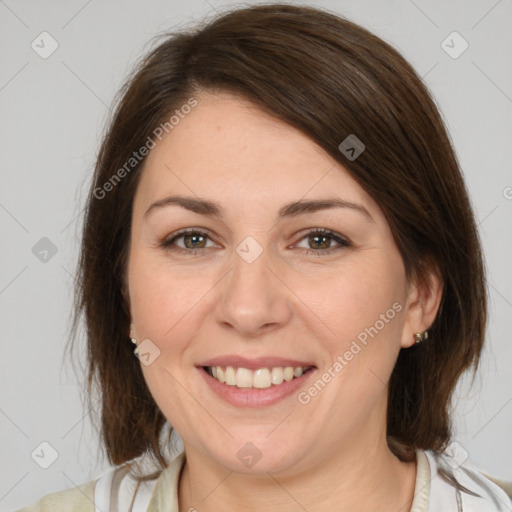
(279, 223)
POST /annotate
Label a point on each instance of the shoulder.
(506, 486)
(116, 490)
(457, 483)
(77, 499)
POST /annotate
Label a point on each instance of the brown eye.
(193, 239)
(320, 240)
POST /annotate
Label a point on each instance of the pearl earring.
(134, 341)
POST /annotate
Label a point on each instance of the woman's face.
(254, 285)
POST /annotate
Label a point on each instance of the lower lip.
(255, 397)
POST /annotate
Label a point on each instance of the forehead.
(227, 147)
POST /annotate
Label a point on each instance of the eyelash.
(166, 243)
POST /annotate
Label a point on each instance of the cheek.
(166, 307)
(160, 295)
(358, 302)
(364, 309)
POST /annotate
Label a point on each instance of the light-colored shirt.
(117, 491)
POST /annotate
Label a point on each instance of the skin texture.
(324, 455)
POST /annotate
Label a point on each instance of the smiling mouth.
(261, 378)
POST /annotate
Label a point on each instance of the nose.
(254, 298)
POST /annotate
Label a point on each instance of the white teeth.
(261, 378)
(288, 373)
(243, 378)
(277, 376)
(230, 376)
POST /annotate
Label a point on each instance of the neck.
(372, 478)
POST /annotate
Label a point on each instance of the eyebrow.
(294, 209)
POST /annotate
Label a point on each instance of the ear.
(423, 300)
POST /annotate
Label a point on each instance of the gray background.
(53, 111)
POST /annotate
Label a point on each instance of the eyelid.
(167, 241)
(341, 240)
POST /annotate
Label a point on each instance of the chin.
(258, 454)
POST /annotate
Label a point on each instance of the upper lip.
(255, 363)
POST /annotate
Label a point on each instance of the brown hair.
(329, 78)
